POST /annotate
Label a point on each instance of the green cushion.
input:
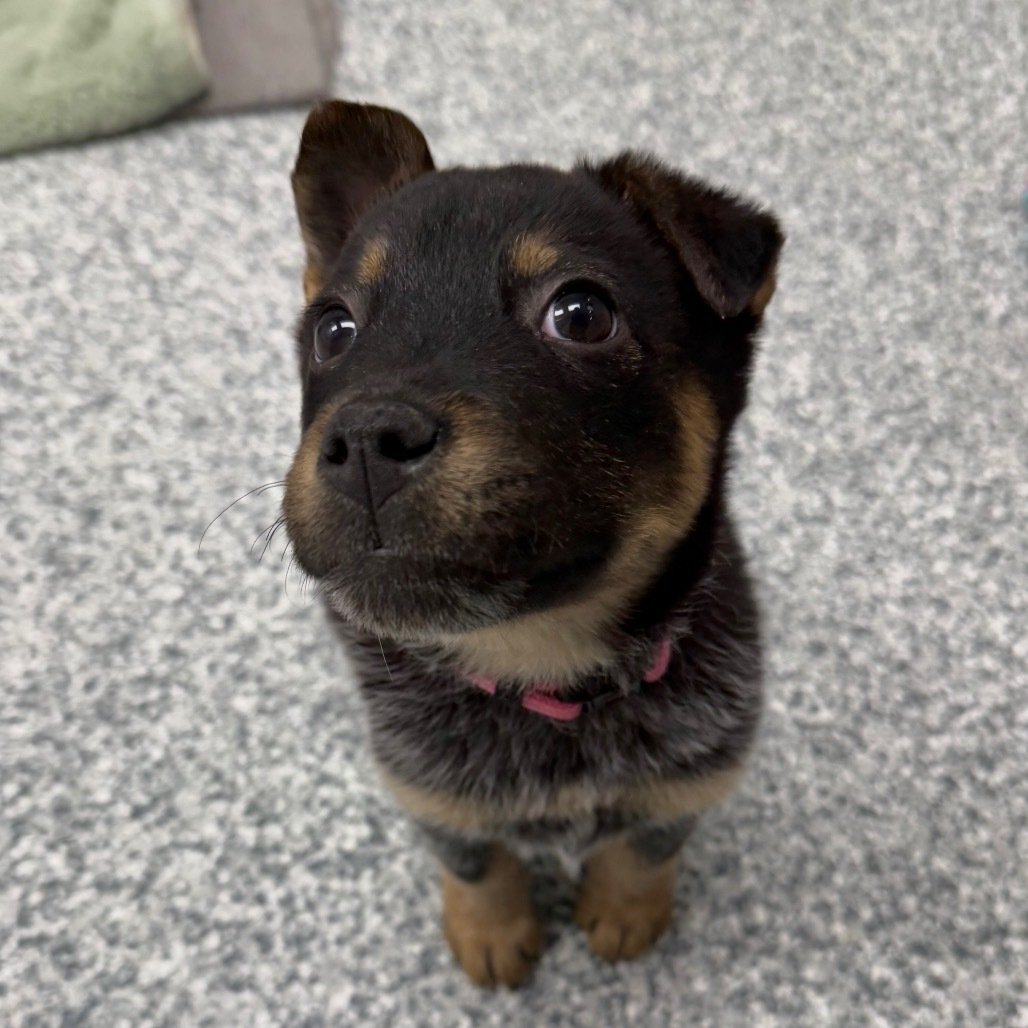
(74, 69)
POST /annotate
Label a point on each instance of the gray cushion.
(265, 52)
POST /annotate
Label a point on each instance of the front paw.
(620, 932)
(625, 905)
(490, 925)
(501, 953)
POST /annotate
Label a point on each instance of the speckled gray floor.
(190, 829)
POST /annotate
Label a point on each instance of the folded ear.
(351, 156)
(728, 247)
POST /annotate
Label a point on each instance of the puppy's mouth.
(420, 597)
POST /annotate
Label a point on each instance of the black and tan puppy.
(518, 386)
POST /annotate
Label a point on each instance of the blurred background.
(191, 831)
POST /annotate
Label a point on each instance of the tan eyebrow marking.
(532, 254)
(372, 265)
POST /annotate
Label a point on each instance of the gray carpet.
(190, 829)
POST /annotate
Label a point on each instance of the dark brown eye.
(579, 316)
(333, 333)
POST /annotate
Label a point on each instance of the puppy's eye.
(580, 316)
(333, 333)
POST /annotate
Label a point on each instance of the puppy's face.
(515, 381)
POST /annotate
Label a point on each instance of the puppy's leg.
(488, 918)
(629, 887)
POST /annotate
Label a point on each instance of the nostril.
(336, 450)
(393, 446)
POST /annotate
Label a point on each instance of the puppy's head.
(516, 382)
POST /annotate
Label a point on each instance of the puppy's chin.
(413, 607)
(407, 621)
(413, 600)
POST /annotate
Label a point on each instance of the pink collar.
(540, 699)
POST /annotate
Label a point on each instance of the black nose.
(372, 450)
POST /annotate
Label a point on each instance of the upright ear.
(728, 247)
(351, 156)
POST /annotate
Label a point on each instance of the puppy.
(518, 388)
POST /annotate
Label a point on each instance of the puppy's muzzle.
(372, 450)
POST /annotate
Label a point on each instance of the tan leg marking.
(490, 924)
(626, 903)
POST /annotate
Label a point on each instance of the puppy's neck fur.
(582, 638)
(551, 646)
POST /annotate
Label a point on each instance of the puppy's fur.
(559, 515)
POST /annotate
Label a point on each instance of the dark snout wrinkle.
(372, 450)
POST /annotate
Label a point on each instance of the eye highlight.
(580, 314)
(333, 333)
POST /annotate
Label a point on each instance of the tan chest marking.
(659, 800)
